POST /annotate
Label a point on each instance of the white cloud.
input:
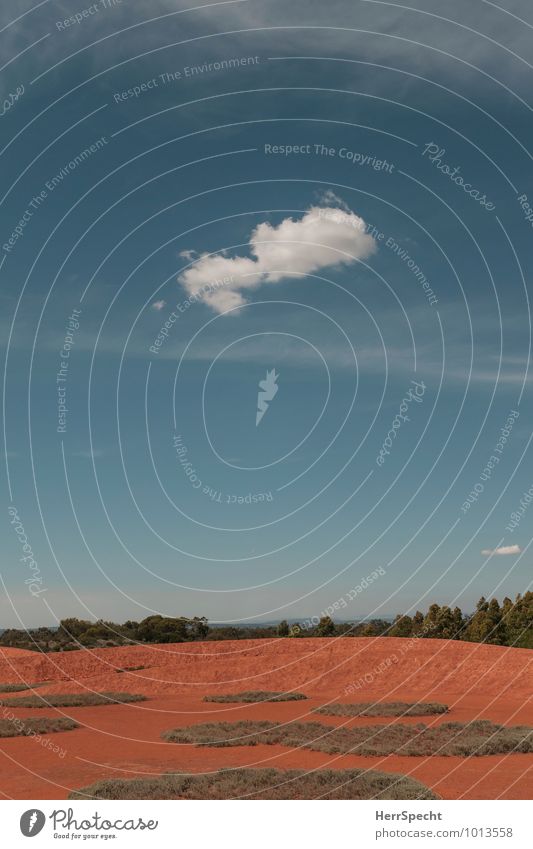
(158, 305)
(323, 237)
(503, 550)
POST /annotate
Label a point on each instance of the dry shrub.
(382, 709)
(130, 668)
(17, 688)
(262, 784)
(72, 700)
(256, 696)
(26, 727)
(480, 737)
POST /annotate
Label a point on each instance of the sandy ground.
(123, 741)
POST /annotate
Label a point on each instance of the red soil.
(6, 652)
(123, 741)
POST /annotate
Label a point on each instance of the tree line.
(507, 624)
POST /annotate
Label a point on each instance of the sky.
(264, 308)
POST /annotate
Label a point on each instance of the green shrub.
(262, 784)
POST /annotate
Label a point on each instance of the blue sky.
(384, 108)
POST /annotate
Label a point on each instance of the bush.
(72, 700)
(130, 668)
(17, 688)
(26, 727)
(382, 709)
(262, 784)
(480, 737)
(256, 696)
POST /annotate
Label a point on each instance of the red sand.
(6, 652)
(476, 681)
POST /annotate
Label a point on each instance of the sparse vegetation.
(130, 668)
(382, 709)
(256, 696)
(28, 727)
(72, 700)
(480, 737)
(17, 688)
(262, 784)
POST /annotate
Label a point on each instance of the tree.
(444, 624)
(496, 632)
(518, 618)
(418, 623)
(402, 627)
(345, 629)
(163, 629)
(72, 629)
(458, 623)
(326, 627)
(486, 625)
(197, 628)
(429, 627)
(283, 628)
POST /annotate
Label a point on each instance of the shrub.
(256, 696)
(72, 700)
(26, 727)
(382, 709)
(480, 737)
(17, 688)
(262, 784)
(130, 668)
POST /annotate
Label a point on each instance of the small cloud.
(503, 550)
(188, 255)
(295, 246)
(158, 305)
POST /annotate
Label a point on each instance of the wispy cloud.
(381, 33)
(503, 550)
